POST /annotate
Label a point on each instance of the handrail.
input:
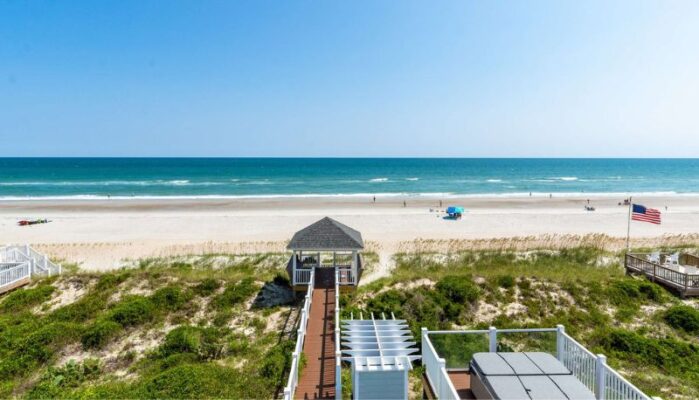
(15, 273)
(616, 387)
(301, 334)
(338, 352)
(589, 368)
(436, 371)
(655, 270)
(40, 264)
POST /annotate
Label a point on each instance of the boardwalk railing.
(686, 283)
(590, 369)
(338, 352)
(300, 336)
(10, 273)
(303, 276)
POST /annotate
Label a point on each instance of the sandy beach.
(105, 234)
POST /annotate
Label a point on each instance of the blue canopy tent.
(455, 212)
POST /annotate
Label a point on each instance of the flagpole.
(628, 227)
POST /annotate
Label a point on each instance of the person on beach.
(404, 204)
(440, 203)
(374, 199)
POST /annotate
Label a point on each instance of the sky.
(349, 78)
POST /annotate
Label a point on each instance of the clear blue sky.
(351, 78)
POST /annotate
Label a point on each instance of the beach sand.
(105, 234)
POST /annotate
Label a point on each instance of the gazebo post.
(354, 266)
(293, 269)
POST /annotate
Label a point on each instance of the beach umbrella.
(455, 210)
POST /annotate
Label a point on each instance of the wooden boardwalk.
(318, 376)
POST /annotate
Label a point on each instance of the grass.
(175, 301)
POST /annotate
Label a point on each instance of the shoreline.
(378, 195)
(107, 234)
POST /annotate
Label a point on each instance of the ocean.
(22, 178)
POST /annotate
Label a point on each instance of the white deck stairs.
(18, 264)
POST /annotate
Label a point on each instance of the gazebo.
(326, 245)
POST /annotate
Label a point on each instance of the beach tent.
(455, 210)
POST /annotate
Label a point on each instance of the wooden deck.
(318, 376)
(683, 283)
(15, 285)
(461, 381)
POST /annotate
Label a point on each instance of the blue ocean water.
(214, 177)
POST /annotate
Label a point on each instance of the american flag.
(641, 213)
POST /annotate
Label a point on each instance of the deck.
(461, 381)
(686, 284)
(318, 376)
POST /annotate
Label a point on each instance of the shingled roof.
(326, 234)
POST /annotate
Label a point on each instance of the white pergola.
(381, 353)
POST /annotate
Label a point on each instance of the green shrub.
(506, 281)
(170, 298)
(459, 289)
(80, 311)
(56, 380)
(23, 298)
(196, 381)
(99, 333)
(205, 343)
(236, 293)
(683, 317)
(277, 360)
(207, 287)
(133, 310)
(111, 281)
(667, 353)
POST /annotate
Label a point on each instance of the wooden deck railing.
(686, 283)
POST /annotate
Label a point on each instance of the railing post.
(560, 331)
(493, 336)
(600, 381)
(338, 375)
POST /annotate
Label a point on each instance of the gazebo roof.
(326, 234)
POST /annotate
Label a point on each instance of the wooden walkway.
(318, 376)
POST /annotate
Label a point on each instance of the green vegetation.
(183, 327)
(154, 323)
(683, 317)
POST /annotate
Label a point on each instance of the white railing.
(615, 386)
(579, 360)
(338, 352)
(13, 272)
(345, 276)
(40, 264)
(302, 276)
(591, 369)
(436, 370)
(301, 335)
